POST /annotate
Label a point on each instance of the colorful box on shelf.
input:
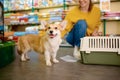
(19, 33)
(36, 3)
(33, 18)
(23, 19)
(57, 2)
(7, 34)
(56, 12)
(27, 4)
(15, 18)
(71, 1)
(56, 18)
(15, 38)
(32, 30)
(6, 5)
(112, 14)
(1, 27)
(7, 18)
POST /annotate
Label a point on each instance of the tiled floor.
(37, 70)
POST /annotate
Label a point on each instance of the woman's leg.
(78, 31)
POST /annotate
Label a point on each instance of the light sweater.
(92, 19)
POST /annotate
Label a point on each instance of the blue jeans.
(78, 31)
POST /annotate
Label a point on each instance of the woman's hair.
(90, 6)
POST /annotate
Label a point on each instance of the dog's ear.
(63, 24)
(43, 24)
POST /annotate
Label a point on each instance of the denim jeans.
(78, 31)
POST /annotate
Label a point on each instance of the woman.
(83, 20)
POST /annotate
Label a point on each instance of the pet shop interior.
(100, 56)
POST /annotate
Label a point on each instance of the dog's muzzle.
(52, 35)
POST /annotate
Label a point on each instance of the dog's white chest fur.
(53, 44)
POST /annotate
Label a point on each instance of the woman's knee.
(81, 24)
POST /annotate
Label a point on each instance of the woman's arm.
(95, 32)
(69, 25)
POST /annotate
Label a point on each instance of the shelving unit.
(33, 9)
(64, 6)
(41, 8)
(105, 19)
(24, 23)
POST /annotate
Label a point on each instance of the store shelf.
(97, 2)
(94, 2)
(111, 18)
(104, 19)
(26, 23)
(40, 8)
(50, 7)
(63, 6)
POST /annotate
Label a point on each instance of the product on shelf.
(33, 18)
(23, 19)
(7, 34)
(32, 30)
(36, 3)
(112, 14)
(20, 18)
(71, 1)
(29, 4)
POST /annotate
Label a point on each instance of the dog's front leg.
(27, 57)
(54, 57)
(47, 58)
(23, 57)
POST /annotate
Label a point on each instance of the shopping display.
(28, 4)
(14, 16)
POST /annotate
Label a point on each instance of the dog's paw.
(28, 59)
(23, 60)
(48, 63)
(56, 61)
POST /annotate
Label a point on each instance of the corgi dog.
(48, 44)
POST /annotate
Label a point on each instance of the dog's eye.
(55, 27)
(48, 27)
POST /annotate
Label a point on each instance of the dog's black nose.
(51, 32)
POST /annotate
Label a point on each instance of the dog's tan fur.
(42, 44)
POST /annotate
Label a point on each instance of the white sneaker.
(76, 53)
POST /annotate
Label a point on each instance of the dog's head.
(54, 29)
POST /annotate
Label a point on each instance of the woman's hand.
(95, 33)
